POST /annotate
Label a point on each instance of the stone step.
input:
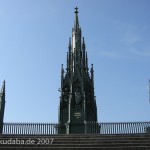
(81, 145)
(62, 142)
(82, 138)
(79, 148)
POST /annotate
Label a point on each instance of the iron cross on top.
(76, 10)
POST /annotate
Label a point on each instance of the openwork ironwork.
(90, 128)
(118, 128)
(30, 128)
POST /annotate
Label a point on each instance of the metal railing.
(118, 128)
(90, 128)
(30, 128)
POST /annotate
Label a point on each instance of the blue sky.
(34, 37)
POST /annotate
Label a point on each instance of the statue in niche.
(66, 94)
(77, 96)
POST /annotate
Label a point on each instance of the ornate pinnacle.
(83, 44)
(69, 42)
(83, 40)
(62, 69)
(3, 88)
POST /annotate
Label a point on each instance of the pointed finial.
(83, 40)
(61, 66)
(4, 84)
(76, 10)
(86, 60)
(3, 87)
(92, 70)
(83, 45)
(62, 69)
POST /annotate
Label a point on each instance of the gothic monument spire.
(2, 106)
(77, 99)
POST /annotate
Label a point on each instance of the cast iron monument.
(77, 100)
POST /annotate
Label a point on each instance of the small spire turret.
(83, 42)
(69, 45)
(62, 75)
(83, 53)
(3, 88)
(2, 106)
(67, 61)
(92, 75)
(69, 55)
(86, 61)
